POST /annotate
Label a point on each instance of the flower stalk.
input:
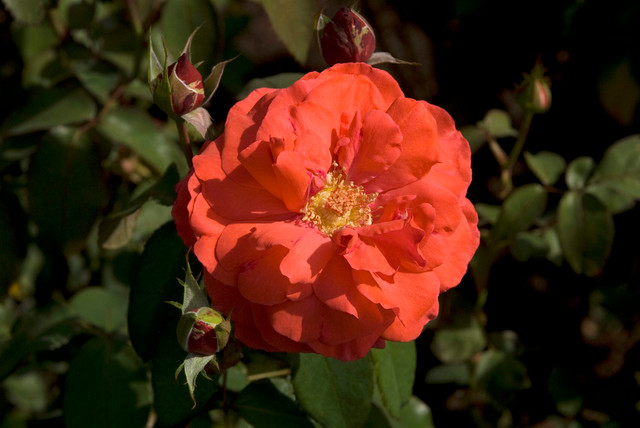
(507, 167)
(185, 142)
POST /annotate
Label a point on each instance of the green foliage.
(263, 405)
(115, 391)
(395, 367)
(335, 393)
(150, 315)
(293, 24)
(66, 189)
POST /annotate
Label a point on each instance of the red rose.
(331, 214)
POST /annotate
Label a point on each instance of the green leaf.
(621, 159)
(32, 40)
(156, 283)
(118, 228)
(497, 123)
(66, 188)
(293, 23)
(116, 232)
(27, 11)
(43, 330)
(547, 166)
(27, 391)
(395, 367)
(456, 373)
(458, 343)
(335, 393)
(100, 387)
(488, 213)
(616, 180)
(46, 109)
(135, 129)
(264, 406)
(98, 78)
(585, 229)
(500, 374)
(619, 89)
(414, 414)
(531, 244)
(579, 171)
(519, 212)
(121, 47)
(106, 309)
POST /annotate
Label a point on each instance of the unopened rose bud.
(534, 94)
(348, 37)
(186, 86)
(203, 331)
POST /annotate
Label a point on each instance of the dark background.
(473, 53)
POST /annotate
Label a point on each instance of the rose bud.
(534, 93)
(348, 37)
(203, 331)
(185, 85)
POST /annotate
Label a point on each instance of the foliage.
(89, 256)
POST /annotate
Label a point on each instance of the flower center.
(339, 204)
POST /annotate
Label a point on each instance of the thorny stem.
(185, 143)
(507, 168)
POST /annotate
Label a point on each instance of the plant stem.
(267, 375)
(507, 170)
(185, 143)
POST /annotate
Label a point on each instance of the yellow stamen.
(339, 204)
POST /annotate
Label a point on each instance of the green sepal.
(159, 83)
(185, 325)
(193, 297)
(213, 79)
(195, 364)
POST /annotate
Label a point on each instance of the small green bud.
(534, 93)
(203, 331)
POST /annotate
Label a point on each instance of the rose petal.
(380, 147)
(260, 281)
(362, 254)
(462, 245)
(419, 146)
(300, 321)
(308, 257)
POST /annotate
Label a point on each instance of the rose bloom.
(330, 215)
